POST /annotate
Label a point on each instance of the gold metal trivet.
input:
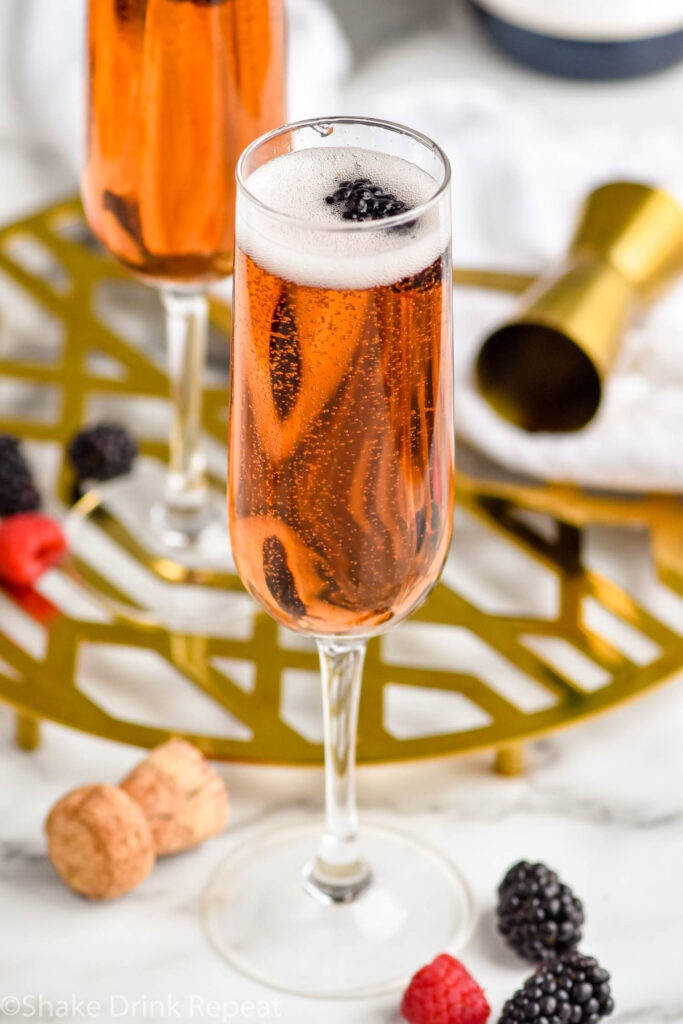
(42, 684)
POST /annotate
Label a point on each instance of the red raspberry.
(29, 544)
(444, 992)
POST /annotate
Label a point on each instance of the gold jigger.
(545, 370)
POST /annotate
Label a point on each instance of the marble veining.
(602, 803)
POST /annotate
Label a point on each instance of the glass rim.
(349, 226)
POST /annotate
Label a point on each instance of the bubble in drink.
(341, 427)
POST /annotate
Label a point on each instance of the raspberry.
(102, 452)
(444, 992)
(30, 543)
(538, 916)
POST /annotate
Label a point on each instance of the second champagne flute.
(177, 88)
(341, 464)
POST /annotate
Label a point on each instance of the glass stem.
(338, 874)
(187, 324)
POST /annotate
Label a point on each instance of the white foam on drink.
(352, 256)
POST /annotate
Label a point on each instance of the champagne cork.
(104, 840)
(99, 842)
(183, 798)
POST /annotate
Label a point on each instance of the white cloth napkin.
(518, 182)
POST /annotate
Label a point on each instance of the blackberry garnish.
(360, 199)
(538, 916)
(102, 452)
(571, 990)
(17, 490)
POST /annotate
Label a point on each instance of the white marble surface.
(603, 803)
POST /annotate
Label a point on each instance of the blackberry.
(571, 990)
(17, 490)
(102, 452)
(360, 199)
(538, 916)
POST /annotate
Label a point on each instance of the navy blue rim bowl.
(584, 59)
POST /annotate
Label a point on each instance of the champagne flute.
(341, 469)
(177, 88)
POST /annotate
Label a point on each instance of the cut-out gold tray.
(556, 604)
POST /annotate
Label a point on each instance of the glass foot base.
(184, 532)
(262, 920)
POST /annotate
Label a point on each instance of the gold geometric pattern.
(491, 670)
